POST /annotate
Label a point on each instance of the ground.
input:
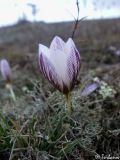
(37, 125)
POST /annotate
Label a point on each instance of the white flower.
(60, 63)
(5, 70)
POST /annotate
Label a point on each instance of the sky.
(11, 11)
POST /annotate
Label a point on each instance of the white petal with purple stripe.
(60, 64)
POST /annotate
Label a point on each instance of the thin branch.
(77, 20)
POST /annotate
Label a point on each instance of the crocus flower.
(7, 76)
(5, 70)
(89, 89)
(60, 63)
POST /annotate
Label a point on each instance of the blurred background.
(25, 24)
(12, 11)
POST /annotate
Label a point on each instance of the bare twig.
(77, 20)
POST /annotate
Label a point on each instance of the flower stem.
(69, 103)
(9, 87)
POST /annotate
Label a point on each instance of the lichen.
(106, 90)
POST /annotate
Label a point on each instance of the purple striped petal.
(50, 73)
(44, 50)
(5, 70)
(89, 89)
(57, 44)
(73, 62)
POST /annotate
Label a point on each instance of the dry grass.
(37, 126)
